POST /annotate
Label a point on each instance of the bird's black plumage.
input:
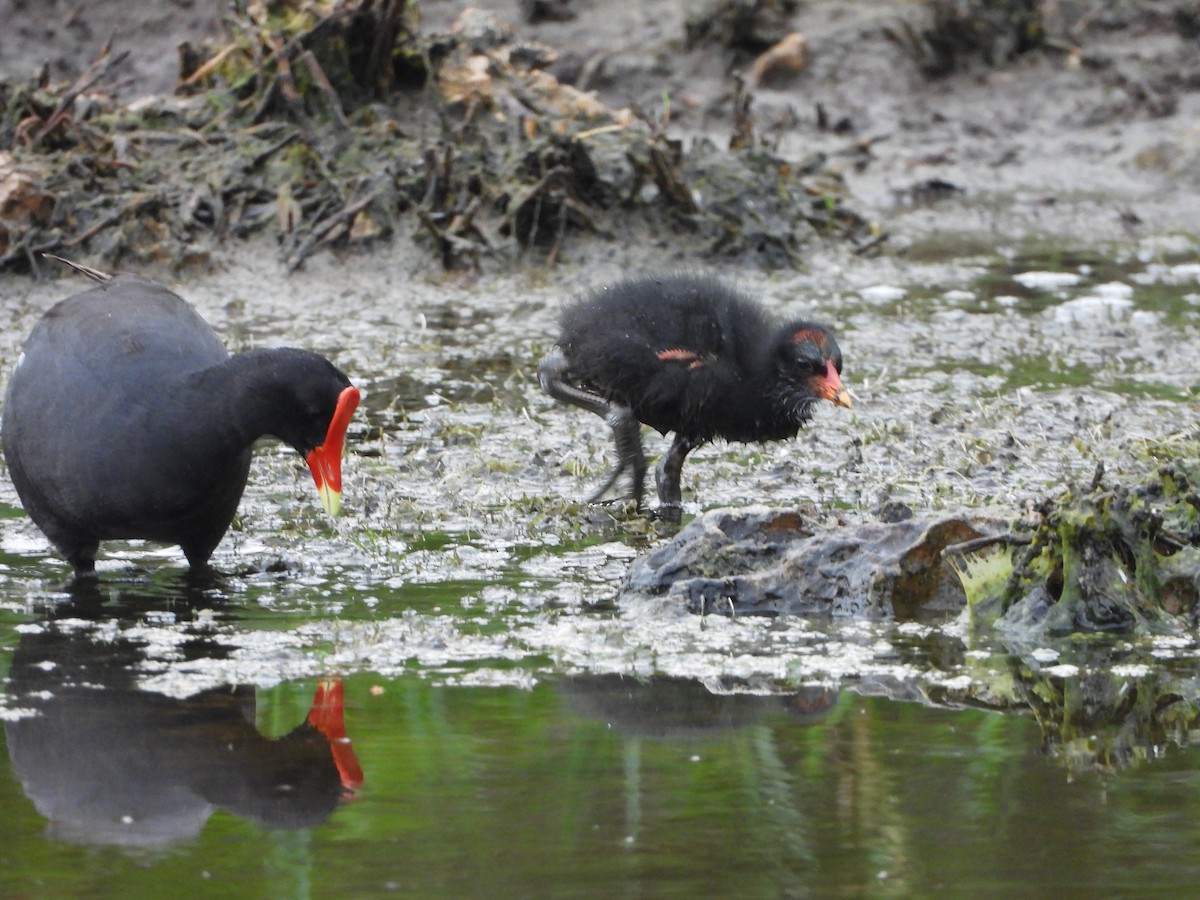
(690, 355)
(125, 417)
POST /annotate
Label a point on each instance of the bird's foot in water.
(671, 513)
(634, 496)
(670, 496)
(667, 476)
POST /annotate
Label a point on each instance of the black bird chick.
(125, 417)
(690, 355)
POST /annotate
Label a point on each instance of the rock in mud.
(760, 561)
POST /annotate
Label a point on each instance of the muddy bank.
(524, 133)
(345, 127)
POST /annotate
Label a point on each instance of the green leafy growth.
(1103, 557)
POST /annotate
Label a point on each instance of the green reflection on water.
(604, 787)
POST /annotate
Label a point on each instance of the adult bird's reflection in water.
(108, 763)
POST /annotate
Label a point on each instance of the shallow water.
(600, 787)
(518, 733)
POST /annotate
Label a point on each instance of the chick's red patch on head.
(811, 334)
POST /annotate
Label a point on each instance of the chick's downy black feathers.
(690, 355)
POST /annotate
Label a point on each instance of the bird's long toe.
(599, 494)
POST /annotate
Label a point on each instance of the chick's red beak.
(831, 388)
(325, 462)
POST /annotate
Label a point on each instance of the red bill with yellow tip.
(832, 389)
(325, 462)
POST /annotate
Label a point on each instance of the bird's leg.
(627, 435)
(667, 476)
(82, 558)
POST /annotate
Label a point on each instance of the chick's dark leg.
(627, 434)
(667, 477)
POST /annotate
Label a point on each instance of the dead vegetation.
(954, 35)
(342, 124)
(959, 32)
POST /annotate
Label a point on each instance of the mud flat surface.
(1028, 311)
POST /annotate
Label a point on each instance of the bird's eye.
(810, 365)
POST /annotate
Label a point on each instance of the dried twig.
(97, 70)
(207, 68)
(964, 547)
(129, 208)
(287, 88)
(325, 228)
(332, 101)
(379, 61)
(94, 274)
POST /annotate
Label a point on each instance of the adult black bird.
(690, 355)
(125, 417)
